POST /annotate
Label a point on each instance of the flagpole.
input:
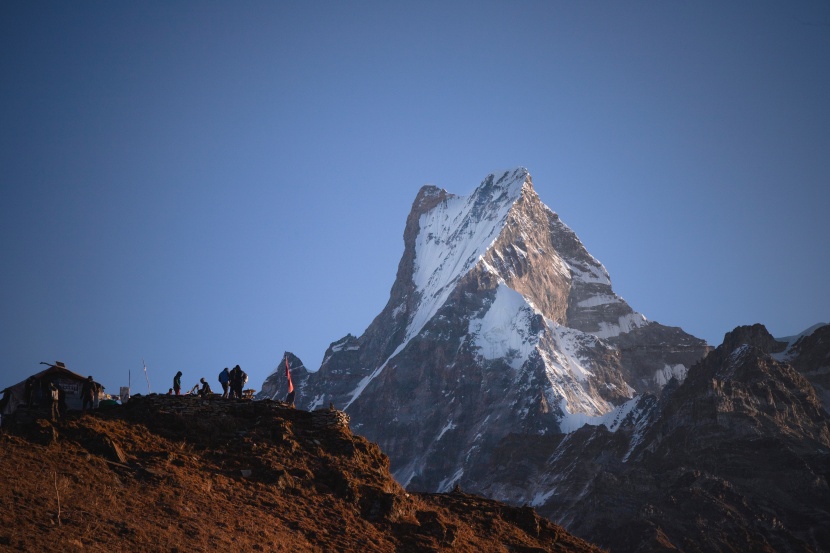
(146, 375)
(277, 392)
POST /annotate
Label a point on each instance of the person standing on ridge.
(88, 394)
(238, 378)
(54, 393)
(97, 390)
(224, 380)
(177, 383)
(231, 379)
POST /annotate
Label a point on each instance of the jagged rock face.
(499, 322)
(741, 388)
(736, 457)
(810, 356)
(528, 260)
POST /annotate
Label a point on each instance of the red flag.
(288, 376)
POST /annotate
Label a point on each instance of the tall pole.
(146, 375)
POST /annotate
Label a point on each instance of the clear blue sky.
(211, 183)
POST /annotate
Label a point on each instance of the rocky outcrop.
(810, 356)
(166, 473)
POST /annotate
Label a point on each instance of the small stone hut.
(70, 382)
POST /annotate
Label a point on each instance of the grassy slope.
(172, 475)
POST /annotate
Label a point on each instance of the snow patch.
(316, 402)
(362, 385)
(447, 483)
(662, 377)
(567, 371)
(404, 475)
(625, 324)
(570, 342)
(734, 360)
(449, 426)
(505, 329)
(599, 299)
(590, 274)
(787, 354)
(541, 498)
(574, 421)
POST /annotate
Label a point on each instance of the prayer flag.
(288, 376)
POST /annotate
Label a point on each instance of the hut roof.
(15, 394)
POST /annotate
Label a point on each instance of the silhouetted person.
(54, 393)
(177, 383)
(205, 391)
(238, 378)
(62, 401)
(87, 394)
(224, 380)
(97, 390)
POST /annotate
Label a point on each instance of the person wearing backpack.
(224, 380)
(238, 379)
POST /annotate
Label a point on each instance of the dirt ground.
(187, 474)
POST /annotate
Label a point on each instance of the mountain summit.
(499, 322)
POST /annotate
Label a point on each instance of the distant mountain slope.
(736, 457)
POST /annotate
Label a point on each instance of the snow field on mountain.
(612, 419)
(668, 372)
(504, 330)
(625, 324)
(365, 382)
(452, 238)
(791, 340)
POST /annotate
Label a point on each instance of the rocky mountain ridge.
(736, 457)
(166, 473)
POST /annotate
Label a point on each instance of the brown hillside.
(182, 474)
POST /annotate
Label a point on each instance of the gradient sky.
(211, 183)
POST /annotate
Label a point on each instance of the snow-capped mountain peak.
(499, 321)
(453, 237)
